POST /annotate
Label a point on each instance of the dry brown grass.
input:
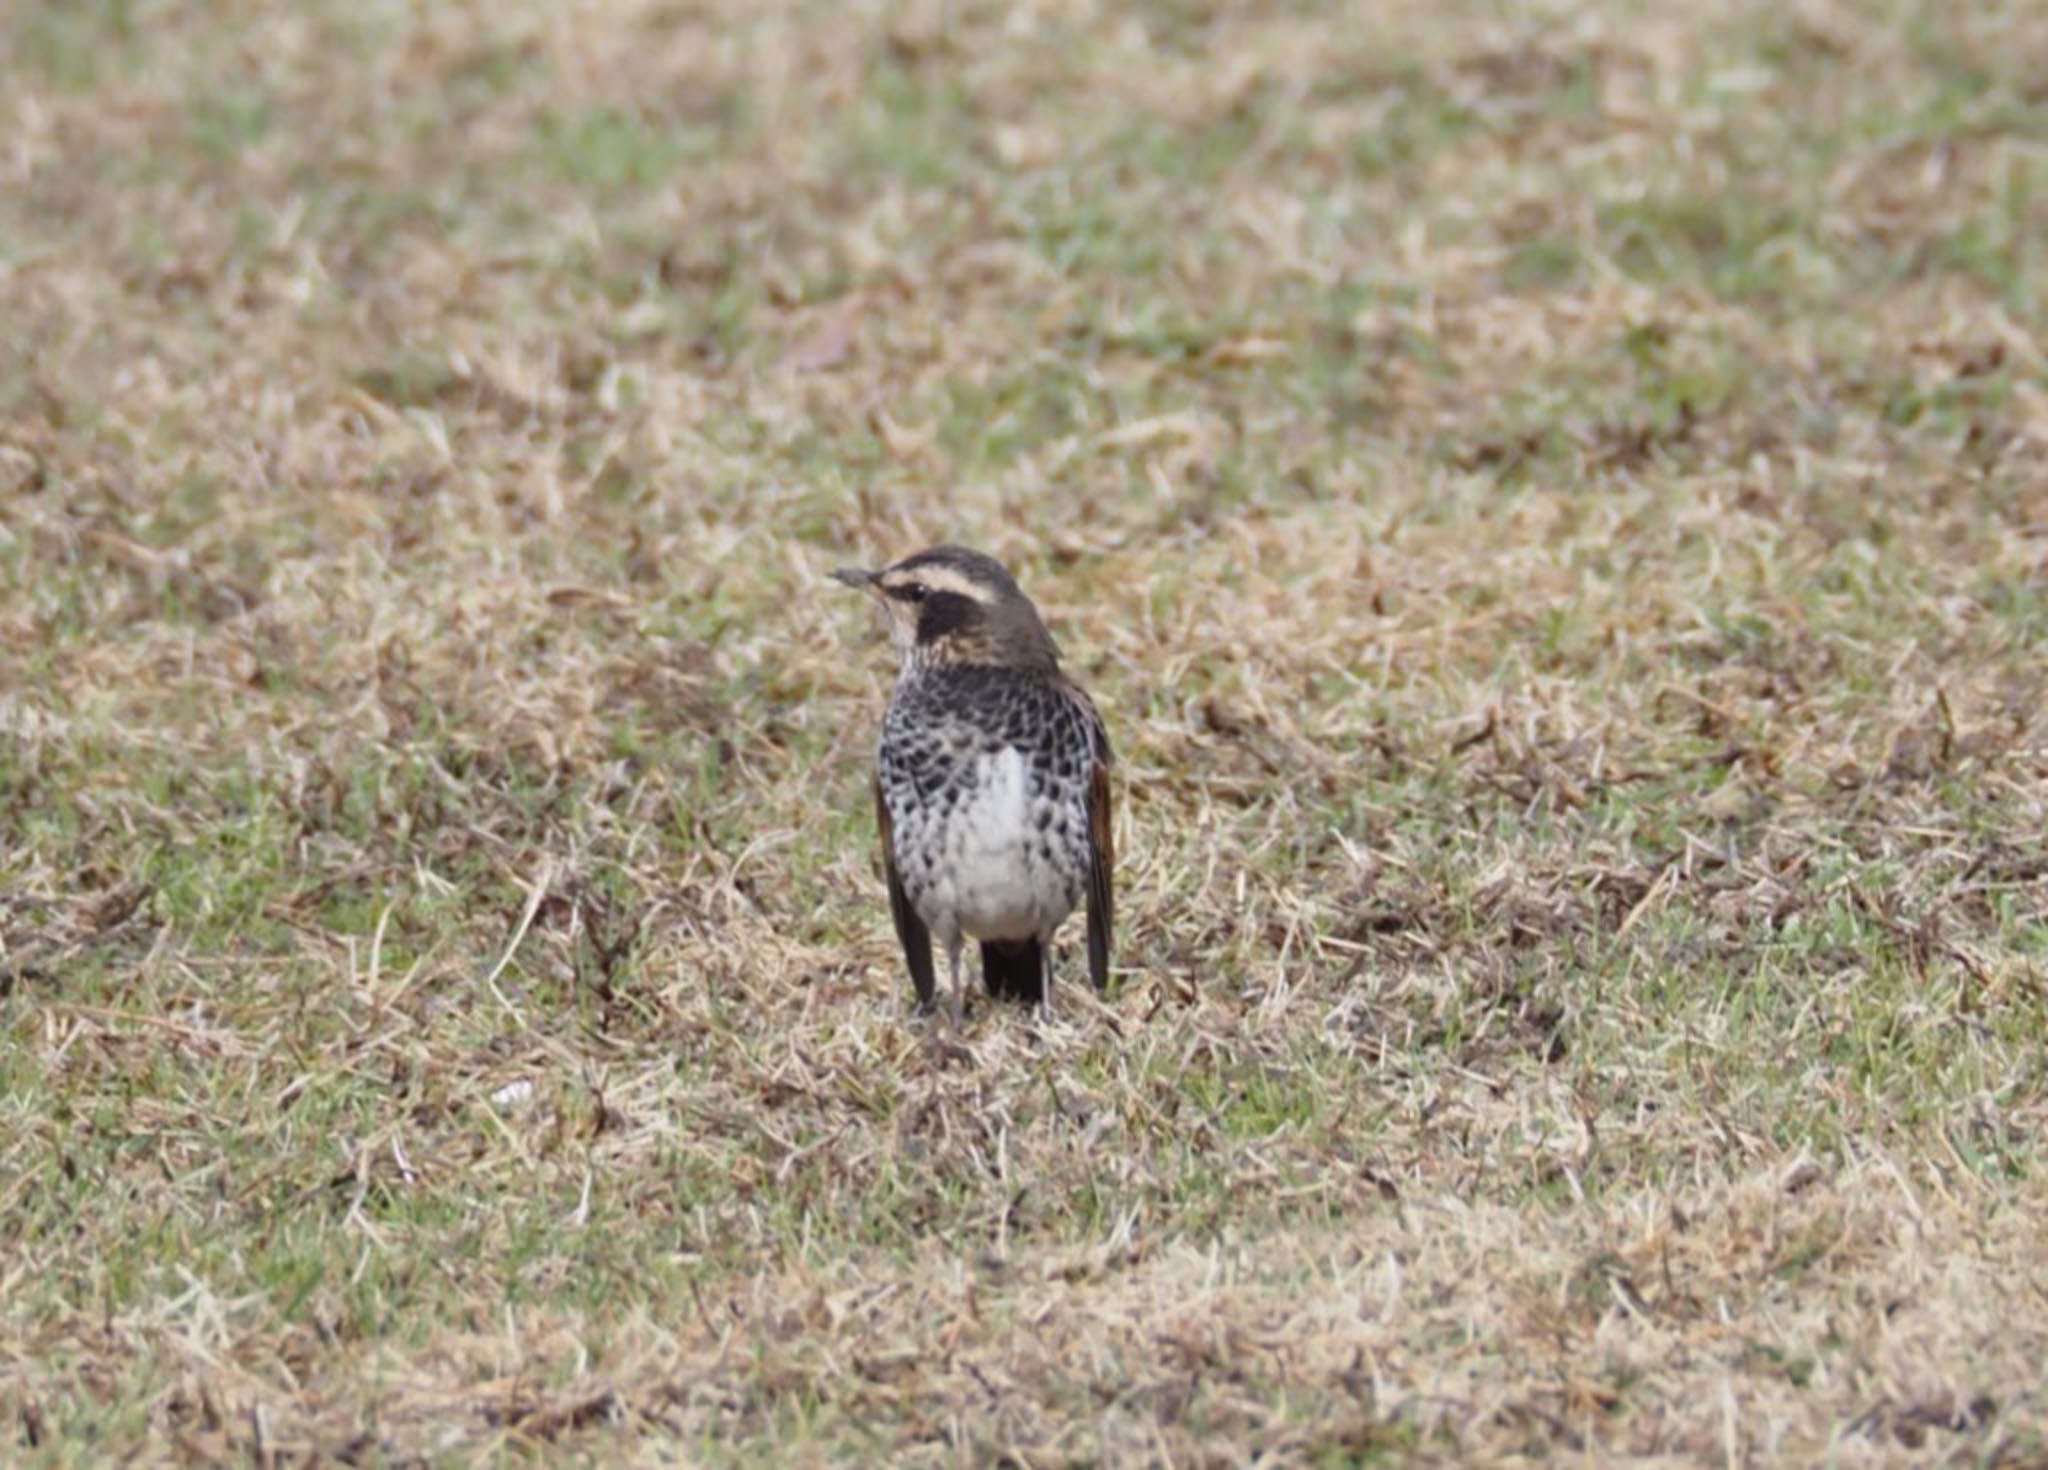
(1552, 500)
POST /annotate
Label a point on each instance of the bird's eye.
(912, 591)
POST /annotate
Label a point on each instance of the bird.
(992, 781)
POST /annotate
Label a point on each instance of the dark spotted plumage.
(992, 787)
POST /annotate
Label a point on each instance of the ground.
(1551, 499)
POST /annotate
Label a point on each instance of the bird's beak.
(854, 577)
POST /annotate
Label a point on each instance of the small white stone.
(513, 1095)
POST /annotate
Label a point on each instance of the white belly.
(990, 874)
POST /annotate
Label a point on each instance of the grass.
(1550, 504)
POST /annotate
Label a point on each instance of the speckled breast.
(985, 772)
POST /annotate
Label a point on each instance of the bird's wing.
(910, 929)
(1101, 854)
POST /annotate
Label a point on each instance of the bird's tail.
(1014, 969)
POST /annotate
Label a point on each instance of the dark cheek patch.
(943, 613)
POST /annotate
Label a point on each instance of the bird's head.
(949, 605)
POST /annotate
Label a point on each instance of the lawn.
(1551, 500)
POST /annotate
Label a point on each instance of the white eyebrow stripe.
(939, 579)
